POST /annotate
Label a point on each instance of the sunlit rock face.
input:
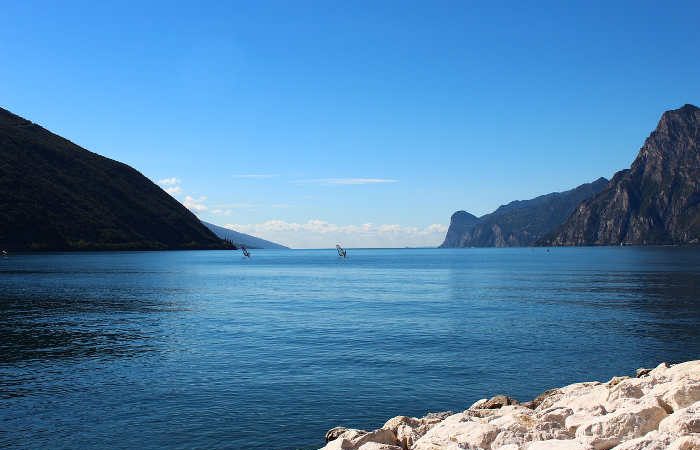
(655, 201)
(659, 409)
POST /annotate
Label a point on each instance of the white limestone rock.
(523, 425)
(460, 429)
(354, 439)
(678, 394)
(408, 430)
(653, 440)
(686, 443)
(629, 422)
(376, 446)
(478, 404)
(660, 410)
(557, 444)
(683, 421)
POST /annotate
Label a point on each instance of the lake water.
(209, 350)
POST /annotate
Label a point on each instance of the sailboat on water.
(341, 251)
(246, 253)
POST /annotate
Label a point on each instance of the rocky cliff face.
(655, 201)
(461, 224)
(59, 196)
(519, 223)
(657, 409)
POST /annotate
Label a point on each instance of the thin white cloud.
(173, 190)
(235, 205)
(171, 185)
(317, 233)
(195, 204)
(169, 181)
(256, 176)
(348, 181)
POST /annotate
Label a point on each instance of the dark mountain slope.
(242, 238)
(655, 201)
(519, 223)
(461, 224)
(59, 196)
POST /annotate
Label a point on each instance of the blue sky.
(362, 122)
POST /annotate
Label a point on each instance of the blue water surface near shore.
(209, 350)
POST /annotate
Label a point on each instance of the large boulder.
(334, 433)
(353, 439)
(557, 444)
(632, 421)
(683, 421)
(520, 425)
(497, 402)
(537, 401)
(459, 429)
(686, 443)
(376, 446)
(677, 394)
(407, 430)
(650, 441)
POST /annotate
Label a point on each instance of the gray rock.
(653, 202)
(519, 223)
(498, 402)
(642, 372)
(334, 433)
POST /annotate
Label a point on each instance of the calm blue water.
(208, 350)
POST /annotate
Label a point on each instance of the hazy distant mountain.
(241, 238)
(519, 223)
(655, 201)
(56, 195)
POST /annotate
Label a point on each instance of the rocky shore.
(658, 409)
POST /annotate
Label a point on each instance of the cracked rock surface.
(659, 409)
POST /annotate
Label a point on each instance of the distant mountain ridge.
(59, 196)
(519, 223)
(655, 201)
(242, 238)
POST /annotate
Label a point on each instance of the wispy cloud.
(171, 185)
(256, 176)
(317, 233)
(226, 209)
(235, 205)
(169, 181)
(348, 181)
(173, 190)
(195, 204)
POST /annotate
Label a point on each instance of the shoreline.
(656, 409)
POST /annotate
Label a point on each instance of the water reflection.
(196, 349)
(42, 325)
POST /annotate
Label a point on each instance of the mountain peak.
(655, 201)
(685, 118)
(461, 215)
